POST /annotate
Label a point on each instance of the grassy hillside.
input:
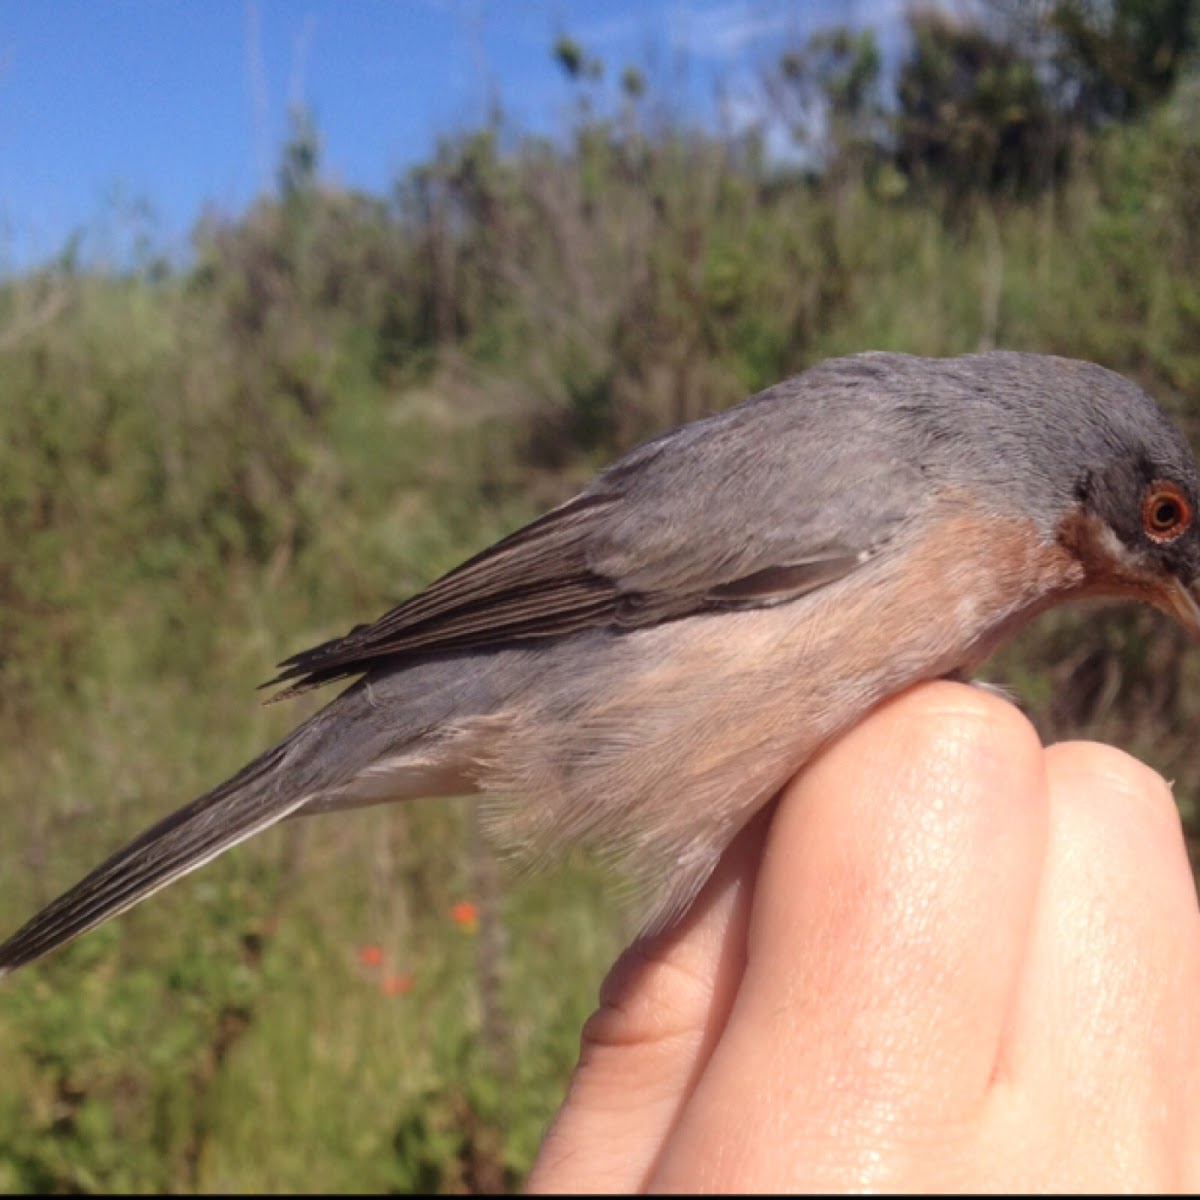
(203, 470)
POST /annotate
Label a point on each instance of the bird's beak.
(1184, 603)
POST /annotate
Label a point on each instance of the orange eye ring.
(1166, 512)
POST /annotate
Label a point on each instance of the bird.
(644, 667)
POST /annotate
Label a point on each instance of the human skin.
(948, 959)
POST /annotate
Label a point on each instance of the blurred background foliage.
(207, 466)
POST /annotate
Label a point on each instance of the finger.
(889, 928)
(1101, 1055)
(662, 1008)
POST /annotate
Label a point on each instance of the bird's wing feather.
(625, 552)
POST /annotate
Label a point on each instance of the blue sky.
(112, 108)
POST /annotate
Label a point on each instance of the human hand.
(949, 959)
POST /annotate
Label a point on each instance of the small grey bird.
(644, 667)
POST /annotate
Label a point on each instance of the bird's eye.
(1166, 513)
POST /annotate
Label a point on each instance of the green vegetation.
(203, 469)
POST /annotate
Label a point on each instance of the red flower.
(466, 915)
(370, 956)
(398, 985)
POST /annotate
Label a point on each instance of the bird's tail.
(378, 741)
(255, 798)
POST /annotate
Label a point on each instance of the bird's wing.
(716, 515)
